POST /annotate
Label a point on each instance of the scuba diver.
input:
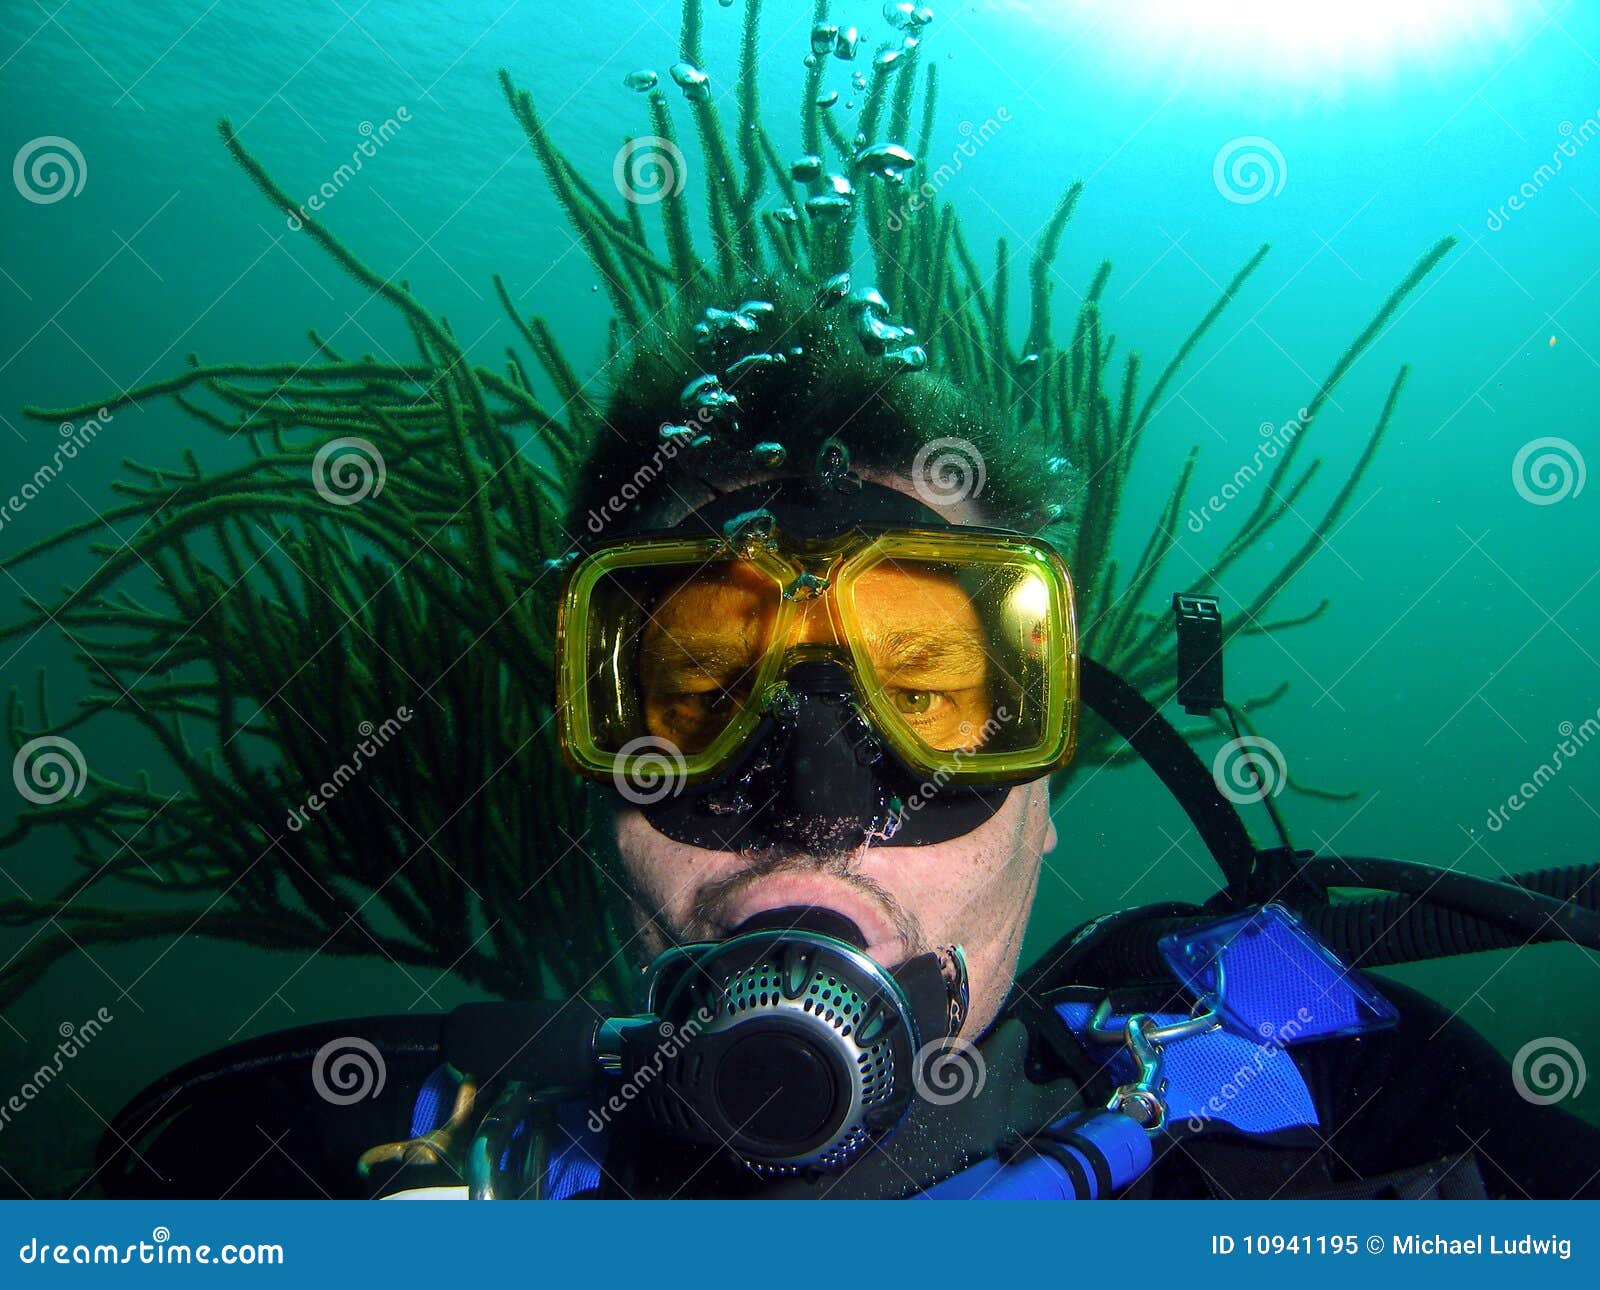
(819, 689)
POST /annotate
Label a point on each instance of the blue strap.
(575, 1153)
(435, 1100)
(1252, 1085)
(1077, 1158)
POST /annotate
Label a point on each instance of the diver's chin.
(817, 890)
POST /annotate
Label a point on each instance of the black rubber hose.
(1175, 763)
(1511, 905)
(1378, 931)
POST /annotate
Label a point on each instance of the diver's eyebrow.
(679, 652)
(912, 648)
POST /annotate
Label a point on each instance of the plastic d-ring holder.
(1267, 976)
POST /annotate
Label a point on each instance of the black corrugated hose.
(1432, 913)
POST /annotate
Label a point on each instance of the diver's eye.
(913, 702)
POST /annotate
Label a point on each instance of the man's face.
(975, 890)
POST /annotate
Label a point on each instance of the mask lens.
(675, 651)
(969, 658)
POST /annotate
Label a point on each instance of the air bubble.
(704, 395)
(753, 362)
(907, 17)
(769, 455)
(888, 161)
(913, 358)
(833, 460)
(822, 37)
(696, 84)
(642, 80)
(832, 291)
(844, 44)
(828, 206)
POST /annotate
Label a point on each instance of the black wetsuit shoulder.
(1428, 1107)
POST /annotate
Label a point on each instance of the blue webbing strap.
(576, 1151)
(1234, 1079)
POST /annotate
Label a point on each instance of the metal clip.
(1143, 1100)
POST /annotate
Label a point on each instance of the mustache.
(708, 910)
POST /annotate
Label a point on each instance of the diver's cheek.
(662, 874)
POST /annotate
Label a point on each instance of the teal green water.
(1463, 627)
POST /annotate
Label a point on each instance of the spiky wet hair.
(832, 389)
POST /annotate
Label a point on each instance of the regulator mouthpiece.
(789, 1045)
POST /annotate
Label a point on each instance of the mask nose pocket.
(831, 793)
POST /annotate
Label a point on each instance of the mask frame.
(592, 716)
